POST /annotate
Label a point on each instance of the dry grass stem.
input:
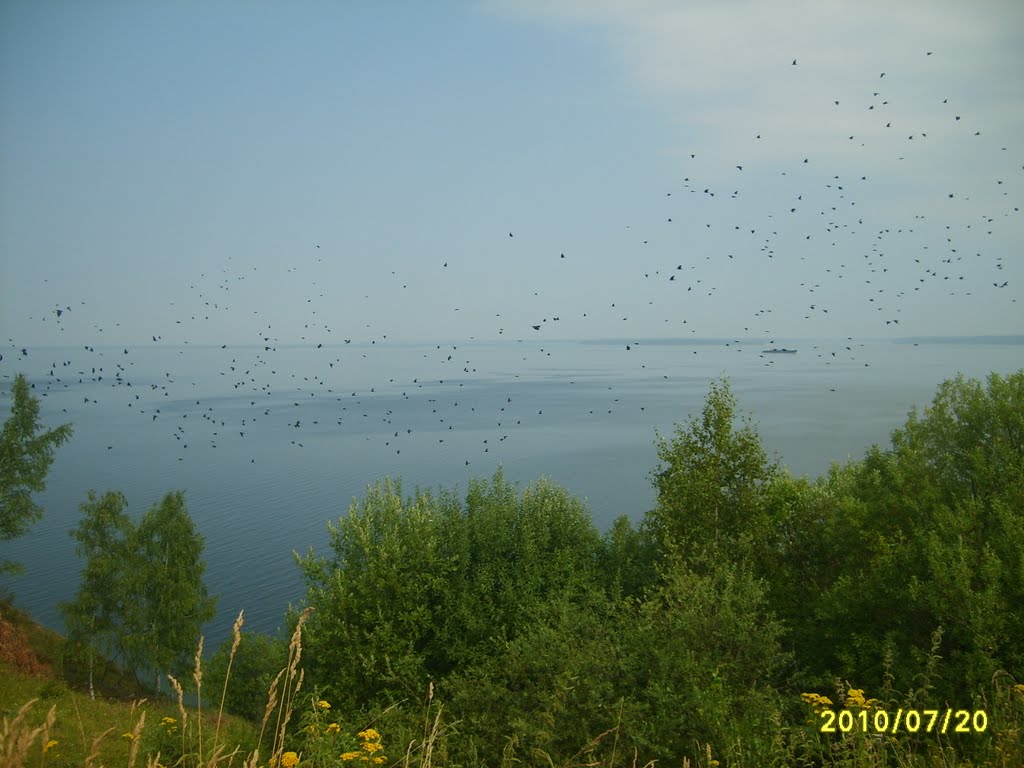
(136, 733)
(236, 632)
(215, 756)
(288, 694)
(16, 738)
(428, 744)
(51, 717)
(94, 751)
(271, 705)
(197, 675)
(181, 709)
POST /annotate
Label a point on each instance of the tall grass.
(182, 742)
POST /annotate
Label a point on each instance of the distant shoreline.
(1002, 339)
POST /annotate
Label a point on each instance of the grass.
(45, 721)
(27, 647)
(43, 701)
(48, 723)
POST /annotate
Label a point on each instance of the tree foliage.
(550, 643)
(26, 454)
(419, 585)
(95, 619)
(711, 489)
(930, 533)
(537, 632)
(169, 600)
(141, 594)
(257, 661)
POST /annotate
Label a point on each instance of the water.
(583, 413)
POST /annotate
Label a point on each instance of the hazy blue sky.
(170, 169)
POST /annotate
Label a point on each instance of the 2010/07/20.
(910, 721)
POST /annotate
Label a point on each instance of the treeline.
(901, 574)
(896, 580)
(141, 598)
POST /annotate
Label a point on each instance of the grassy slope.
(31, 668)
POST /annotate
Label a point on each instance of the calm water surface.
(279, 442)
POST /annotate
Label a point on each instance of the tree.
(95, 619)
(711, 491)
(25, 458)
(257, 661)
(142, 594)
(376, 598)
(417, 587)
(930, 533)
(170, 601)
(703, 655)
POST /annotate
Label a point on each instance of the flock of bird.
(815, 219)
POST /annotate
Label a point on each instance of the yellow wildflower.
(127, 735)
(333, 728)
(349, 756)
(369, 735)
(370, 747)
(289, 760)
(380, 759)
(50, 745)
(816, 701)
(323, 704)
(855, 698)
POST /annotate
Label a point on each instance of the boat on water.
(775, 351)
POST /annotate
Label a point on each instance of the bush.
(258, 658)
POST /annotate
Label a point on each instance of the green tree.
(95, 619)
(930, 533)
(962, 461)
(627, 562)
(711, 490)
(702, 659)
(376, 598)
(170, 602)
(142, 593)
(512, 550)
(25, 457)
(257, 661)
(420, 586)
(550, 690)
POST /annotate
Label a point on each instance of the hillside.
(36, 682)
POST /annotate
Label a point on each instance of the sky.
(310, 172)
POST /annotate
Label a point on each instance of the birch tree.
(26, 453)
